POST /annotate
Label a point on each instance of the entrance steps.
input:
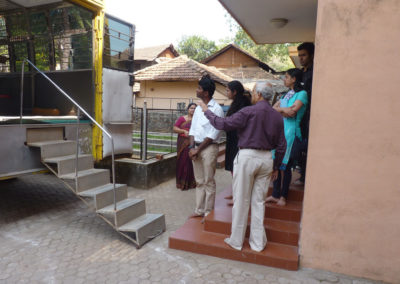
(282, 226)
(93, 186)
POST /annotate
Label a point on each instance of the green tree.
(196, 47)
(275, 55)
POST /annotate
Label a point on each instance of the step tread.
(100, 189)
(83, 173)
(120, 205)
(290, 205)
(44, 143)
(213, 244)
(225, 216)
(65, 158)
(139, 222)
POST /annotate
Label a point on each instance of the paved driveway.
(48, 235)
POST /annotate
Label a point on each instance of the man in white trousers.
(204, 139)
(260, 130)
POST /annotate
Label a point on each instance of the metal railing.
(169, 103)
(153, 134)
(79, 109)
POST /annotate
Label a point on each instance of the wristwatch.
(190, 146)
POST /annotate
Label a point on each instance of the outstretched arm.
(236, 121)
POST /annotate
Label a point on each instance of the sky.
(162, 22)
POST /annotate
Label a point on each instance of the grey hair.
(266, 91)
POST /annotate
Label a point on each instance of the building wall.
(232, 58)
(167, 53)
(351, 217)
(166, 95)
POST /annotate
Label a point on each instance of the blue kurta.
(292, 124)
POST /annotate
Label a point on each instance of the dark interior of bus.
(58, 39)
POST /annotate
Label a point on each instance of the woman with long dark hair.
(292, 106)
(184, 167)
(235, 92)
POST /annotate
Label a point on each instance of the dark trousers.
(281, 184)
(303, 160)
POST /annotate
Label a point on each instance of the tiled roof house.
(175, 81)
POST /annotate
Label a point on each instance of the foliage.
(275, 55)
(196, 47)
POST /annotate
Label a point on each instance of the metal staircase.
(110, 200)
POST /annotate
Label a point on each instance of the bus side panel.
(117, 111)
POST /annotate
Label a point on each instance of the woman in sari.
(184, 167)
(292, 106)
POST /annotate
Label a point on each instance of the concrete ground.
(48, 235)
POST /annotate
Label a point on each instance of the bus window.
(53, 37)
(118, 45)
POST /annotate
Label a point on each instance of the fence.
(170, 103)
(153, 132)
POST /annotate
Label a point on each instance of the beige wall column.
(351, 218)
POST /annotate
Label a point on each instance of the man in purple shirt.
(260, 130)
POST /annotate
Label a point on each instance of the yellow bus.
(82, 51)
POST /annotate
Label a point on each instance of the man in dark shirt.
(306, 57)
(260, 130)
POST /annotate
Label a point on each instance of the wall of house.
(166, 95)
(167, 53)
(232, 58)
(351, 217)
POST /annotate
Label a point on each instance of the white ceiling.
(31, 3)
(255, 15)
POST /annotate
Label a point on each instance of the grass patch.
(151, 136)
(154, 149)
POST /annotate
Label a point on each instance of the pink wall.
(351, 219)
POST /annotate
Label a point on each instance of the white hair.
(266, 91)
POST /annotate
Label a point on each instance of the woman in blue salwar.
(292, 106)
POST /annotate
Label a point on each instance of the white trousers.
(204, 172)
(251, 176)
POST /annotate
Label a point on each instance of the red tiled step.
(191, 237)
(279, 231)
(291, 212)
(295, 194)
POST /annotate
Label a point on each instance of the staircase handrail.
(79, 109)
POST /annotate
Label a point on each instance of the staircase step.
(290, 212)
(278, 231)
(295, 194)
(66, 164)
(55, 148)
(103, 196)
(88, 179)
(127, 210)
(44, 134)
(192, 237)
(145, 227)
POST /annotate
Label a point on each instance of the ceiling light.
(279, 22)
